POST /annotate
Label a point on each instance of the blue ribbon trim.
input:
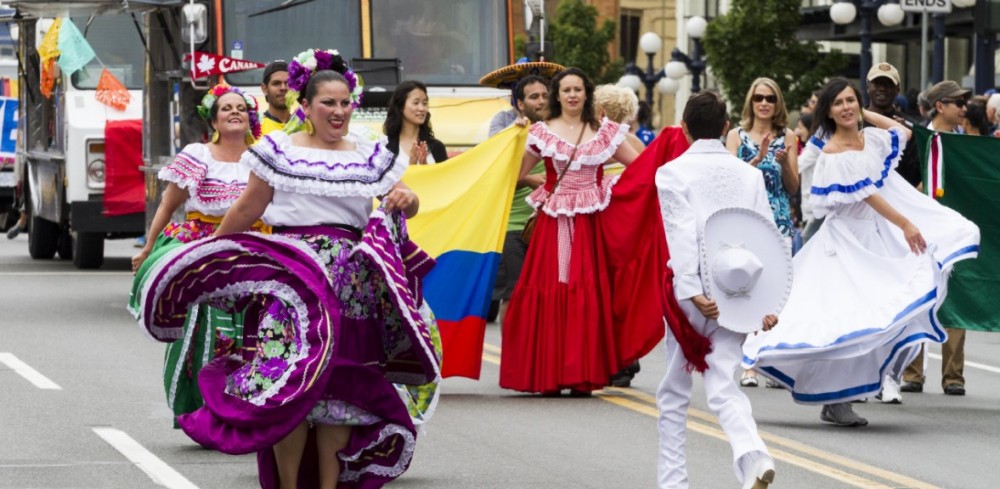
(861, 389)
(847, 189)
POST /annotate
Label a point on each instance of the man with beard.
(528, 81)
(531, 97)
(275, 86)
(883, 88)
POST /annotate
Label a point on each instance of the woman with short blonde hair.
(620, 105)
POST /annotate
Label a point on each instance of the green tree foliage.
(756, 38)
(579, 42)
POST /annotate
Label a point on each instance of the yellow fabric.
(465, 201)
(195, 215)
(50, 43)
(269, 125)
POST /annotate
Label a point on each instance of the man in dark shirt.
(883, 87)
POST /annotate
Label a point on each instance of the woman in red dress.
(559, 329)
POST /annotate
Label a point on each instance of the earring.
(249, 138)
(215, 137)
(309, 127)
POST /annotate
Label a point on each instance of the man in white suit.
(691, 188)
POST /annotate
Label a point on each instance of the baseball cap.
(946, 90)
(884, 69)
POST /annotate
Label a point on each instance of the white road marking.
(25, 370)
(980, 366)
(157, 470)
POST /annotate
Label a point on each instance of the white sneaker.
(761, 475)
(890, 392)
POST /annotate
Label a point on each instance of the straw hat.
(510, 74)
(746, 266)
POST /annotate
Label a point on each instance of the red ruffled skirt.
(560, 335)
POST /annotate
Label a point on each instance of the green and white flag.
(963, 173)
(74, 50)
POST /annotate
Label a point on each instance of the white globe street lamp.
(891, 14)
(843, 13)
(631, 82)
(696, 27)
(676, 69)
(668, 85)
(650, 43)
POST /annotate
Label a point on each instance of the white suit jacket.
(691, 188)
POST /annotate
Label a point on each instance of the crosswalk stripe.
(25, 370)
(157, 470)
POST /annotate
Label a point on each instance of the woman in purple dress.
(340, 313)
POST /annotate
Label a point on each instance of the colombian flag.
(464, 206)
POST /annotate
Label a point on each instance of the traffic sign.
(928, 6)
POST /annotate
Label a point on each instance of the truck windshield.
(118, 47)
(262, 31)
(453, 44)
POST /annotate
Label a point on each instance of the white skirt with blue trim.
(861, 300)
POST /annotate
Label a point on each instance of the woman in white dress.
(868, 285)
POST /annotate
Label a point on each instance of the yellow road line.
(900, 479)
(832, 472)
(495, 360)
(810, 465)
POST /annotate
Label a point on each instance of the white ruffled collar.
(596, 151)
(369, 170)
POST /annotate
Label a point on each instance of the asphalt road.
(82, 406)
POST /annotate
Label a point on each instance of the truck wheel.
(65, 248)
(88, 250)
(43, 238)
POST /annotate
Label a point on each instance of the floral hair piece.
(216, 92)
(312, 60)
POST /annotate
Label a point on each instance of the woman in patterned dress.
(335, 312)
(764, 124)
(205, 179)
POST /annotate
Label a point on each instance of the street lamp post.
(634, 78)
(844, 12)
(680, 63)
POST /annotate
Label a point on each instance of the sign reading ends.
(929, 6)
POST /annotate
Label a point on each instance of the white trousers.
(730, 405)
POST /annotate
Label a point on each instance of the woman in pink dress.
(558, 332)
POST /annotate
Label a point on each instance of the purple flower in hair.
(298, 76)
(324, 60)
(352, 80)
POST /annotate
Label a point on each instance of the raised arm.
(172, 199)
(913, 237)
(882, 122)
(248, 208)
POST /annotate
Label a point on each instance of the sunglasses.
(758, 98)
(959, 102)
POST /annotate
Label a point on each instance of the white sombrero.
(746, 266)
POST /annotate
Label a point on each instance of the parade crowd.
(292, 306)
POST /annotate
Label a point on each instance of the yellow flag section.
(464, 206)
